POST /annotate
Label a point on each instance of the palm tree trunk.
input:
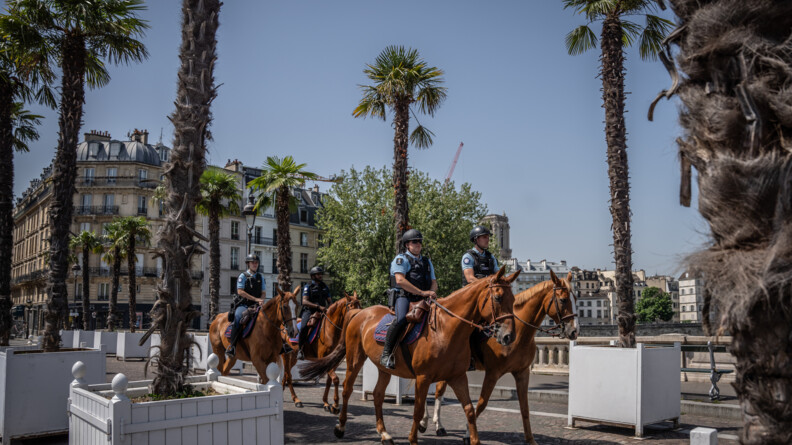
(86, 277)
(214, 263)
(284, 239)
(174, 313)
(6, 210)
(112, 307)
(132, 284)
(63, 174)
(401, 210)
(736, 57)
(616, 138)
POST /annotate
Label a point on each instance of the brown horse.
(264, 344)
(327, 339)
(436, 354)
(552, 298)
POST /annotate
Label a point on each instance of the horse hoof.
(339, 433)
(465, 441)
(334, 410)
(327, 408)
(298, 404)
(441, 432)
(387, 442)
(421, 428)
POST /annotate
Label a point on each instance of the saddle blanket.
(312, 334)
(382, 330)
(247, 329)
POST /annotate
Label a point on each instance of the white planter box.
(127, 346)
(81, 337)
(107, 341)
(201, 351)
(246, 413)
(631, 386)
(34, 387)
(397, 387)
(67, 339)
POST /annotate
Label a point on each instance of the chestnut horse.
(552, 298)
(436, 354)
(264, 344)
(330, 333)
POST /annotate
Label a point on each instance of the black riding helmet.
(316, 270)
(477, 232)
(252, 257)
(412, 235)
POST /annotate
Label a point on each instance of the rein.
(485, 329)
(324, 314)
(560, 325)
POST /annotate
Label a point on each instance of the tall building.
(691, 298)
(114, 179)
(500, 231)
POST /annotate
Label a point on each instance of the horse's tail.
(314, 369)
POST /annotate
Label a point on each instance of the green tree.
(654, 305)
(618, 33)
(134, 230)
(402, 79)
(115, 250)
(82, 35)
(173, 312)
(277, 179)
(220, 198)
(86, 242)
(358, 229)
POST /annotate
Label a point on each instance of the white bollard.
(704, 436)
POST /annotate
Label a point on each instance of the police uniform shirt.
(306, 292)
(401, 265)
(243, 277)
(468, 260)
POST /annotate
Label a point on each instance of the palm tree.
(86, 242)
(277, 178)
(24, 76)
(401, 78)
(618, 33)
(173, 312)
(134, 230)
(219, 198)
(115, 250)
(736, 60)
(83, 36)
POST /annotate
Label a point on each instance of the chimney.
(97, 136)
(316, 188)
(145, 136)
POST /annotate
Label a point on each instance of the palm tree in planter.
(220, 198)
(83, 36)
(24, 76)
(618, 33)
(737, 63)
(115, 250)
(86, 242)
(402, 79)
(278, 177)
(134, 231)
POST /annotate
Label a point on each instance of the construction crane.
(453, 164)
(317, 178)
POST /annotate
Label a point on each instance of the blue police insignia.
(467, 260)
(399, 261)
(240, 279)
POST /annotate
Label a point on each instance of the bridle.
(558, 304)
(347, 306)
(282, 325)
(488, 329)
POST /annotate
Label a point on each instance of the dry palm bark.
(736, 56)
(6, 208)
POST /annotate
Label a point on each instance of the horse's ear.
(513, 276)
(500, 273)
(554, 277)
(569, 277)
(354, 295)
(296, 289)
(277, 290)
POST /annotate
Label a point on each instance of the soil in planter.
(186, 394)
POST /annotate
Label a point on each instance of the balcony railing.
(97, 210)
(35, 275)
(151, 272)
(142, 210)
(263, 241)
(113, 181)
(234, 236)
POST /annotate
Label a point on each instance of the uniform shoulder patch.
(241, 279)
(399, 260)
(466, 260)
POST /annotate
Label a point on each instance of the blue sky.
(529, 114)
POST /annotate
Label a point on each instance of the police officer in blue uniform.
(315, 298)
(251, 289)
(412, 279)
(478, 262)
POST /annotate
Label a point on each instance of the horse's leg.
(328, 382)
(487, 386)
(355, 357)
(521, 379)
(460, 386)
(379, 396)
(288, 363)
(440, 389)
(332, 378)
(421, 388)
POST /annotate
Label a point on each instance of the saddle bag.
(314, 319)
(247, 315)
(417, 311)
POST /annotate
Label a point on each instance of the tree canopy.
(654, 305)
(359, 229)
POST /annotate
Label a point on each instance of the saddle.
(314, 319)
(246, 321)
(416, 319)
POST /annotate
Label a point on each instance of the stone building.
(500, 233)
(691, 298)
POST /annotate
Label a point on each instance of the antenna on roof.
(160, 141)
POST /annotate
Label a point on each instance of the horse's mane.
(269, 302)
(469, 288)
(526, 295)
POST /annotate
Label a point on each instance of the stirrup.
(388, 361)
(230, 351)
(300, 354)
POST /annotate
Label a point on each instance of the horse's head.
(287, 310)
(352, 301)
(560, 306)
(499, 305)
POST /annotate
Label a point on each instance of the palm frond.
(580, 40)
(24, 126)
(630, 31)
(657, 28)
(421, 137)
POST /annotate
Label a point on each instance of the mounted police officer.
(315, 298)
(412, 279)
(251, 289)
(478, 262)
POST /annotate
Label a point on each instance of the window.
(582, 313)
(235, 258)
(234, 229)
(85, 227)
(109, 202)
(303, 239)
(142, 205)
(274, 263)
(303, 263)
(79, 290)
(86, 200)
(261, 264)
(112, 172)
(599, 314)
(257, 235)
(142, 174)
(303, 216)
(104, 291)
(89, 175)
(93, 149)
(588, 313)
(274, 237)
(599, 303)
(115, 149)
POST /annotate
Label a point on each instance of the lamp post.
(250, 219)
(28, 305)
(76, 271)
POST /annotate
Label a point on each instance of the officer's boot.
(286, 349)
(387, 359)
(236, 332)
(300, 353)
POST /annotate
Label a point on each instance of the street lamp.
(76, 272)
(28, 305)
(250, 219)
